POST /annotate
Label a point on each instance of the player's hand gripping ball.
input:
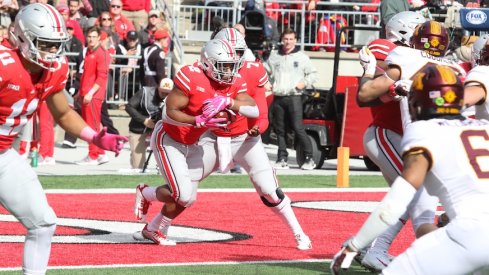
(229, 115)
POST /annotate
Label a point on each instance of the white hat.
(166, 83)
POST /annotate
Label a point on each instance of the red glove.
(110, 142)
(214, 105)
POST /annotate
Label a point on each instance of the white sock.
(384, 241)
(154, 225)
(149, 193)
(285, 212)
(165, 225)
(37, 248)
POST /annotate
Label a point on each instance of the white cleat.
(376, 260)
(303, 242)
(156, 237)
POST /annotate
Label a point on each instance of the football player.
(201, 91)
(443, 152)
(428, 42)
(34, 71)
(241, 144)
(476, 82)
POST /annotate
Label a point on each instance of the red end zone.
(220, 226)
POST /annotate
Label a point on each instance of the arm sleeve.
(261, 102)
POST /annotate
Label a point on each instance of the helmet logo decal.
(439, 101)
(435, 42)
(418, 81)
(435, 27)
(450, 96)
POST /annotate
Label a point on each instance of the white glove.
(342, 261)
(367, 60)
(403, 86)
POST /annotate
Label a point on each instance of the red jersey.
(388, 116)
(256, 77)
(21, 92)
(123, 26)
(193, 82)
(95, 70)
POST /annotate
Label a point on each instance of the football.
(229, 115)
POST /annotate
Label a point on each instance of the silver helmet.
(235, 38)
(480, 53)
(219, 61)
(40, 34)
(400, 27)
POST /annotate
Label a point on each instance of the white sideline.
(174, 264)
(218, 190)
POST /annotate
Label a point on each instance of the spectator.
(4, 36)
(6, 12)
(156, 20)
(93, 85)
(144, 110)
(129, 47)
(121, 23)
(389, 9)
(78, 32)
(153, 66)
(75, 14)
(46, 136)
(291, 72)
(98, 6)
(136, 11)
(106, 24)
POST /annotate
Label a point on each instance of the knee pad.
(273, 200)
(39, 219)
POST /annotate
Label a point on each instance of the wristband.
(87, 134)
(92, 91)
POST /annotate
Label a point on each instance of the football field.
(227, 231)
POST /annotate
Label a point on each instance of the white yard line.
(218, 190)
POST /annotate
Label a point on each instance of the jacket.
(287, 70)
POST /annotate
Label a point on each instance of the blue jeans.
(288, 109)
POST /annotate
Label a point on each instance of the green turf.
(255, 269)
(220, 181)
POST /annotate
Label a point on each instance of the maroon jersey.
(193, 82)
(21, 92)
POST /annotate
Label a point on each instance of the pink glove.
(214, 105)
(203, 121)
(110, 142)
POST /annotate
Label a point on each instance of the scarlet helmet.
(431, 37)
(480, 51)
(436, 91)
(381, 48)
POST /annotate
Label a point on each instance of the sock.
(165, 225)
(149, 193)
(285, 212)
(154, 225)
(384, 241)
(37, 247)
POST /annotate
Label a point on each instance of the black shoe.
(68, 145)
